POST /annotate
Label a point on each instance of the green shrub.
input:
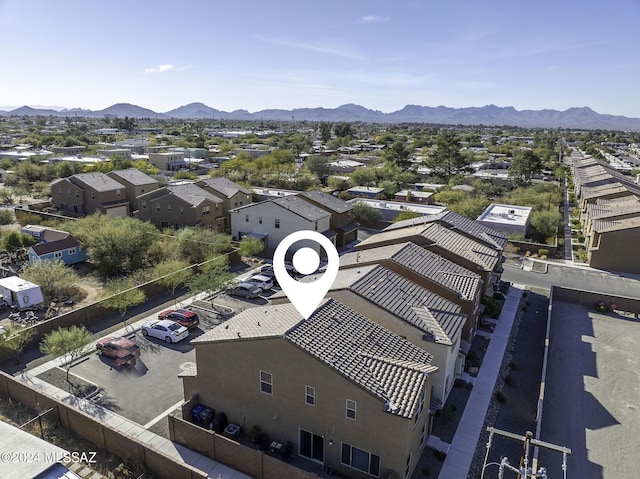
(492, 307)
(508, 380)
(543, 252)
(6, 218)
(501, 397)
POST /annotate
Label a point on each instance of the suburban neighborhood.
(142, 315)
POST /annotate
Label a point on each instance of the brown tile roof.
(370, 356)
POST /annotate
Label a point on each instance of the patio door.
(312, 446)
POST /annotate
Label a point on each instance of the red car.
(184, 317)
(122, 350)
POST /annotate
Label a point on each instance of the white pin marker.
(306, 296)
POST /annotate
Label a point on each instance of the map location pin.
(306, 296)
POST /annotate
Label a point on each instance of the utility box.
(20, 293)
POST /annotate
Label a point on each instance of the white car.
(261, 281)
(165, 329)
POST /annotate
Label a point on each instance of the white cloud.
(159, 69)
(338, 52)
(372, 19)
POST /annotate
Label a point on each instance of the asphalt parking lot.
(152, 388)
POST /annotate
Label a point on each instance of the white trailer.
(20, 293)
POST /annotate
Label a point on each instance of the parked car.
(165, 329)
(122, 350)
(246, 290)
(261, 280)
(184, 317)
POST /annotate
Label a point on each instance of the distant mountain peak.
(489, 115)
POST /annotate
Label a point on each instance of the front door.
(311, 446)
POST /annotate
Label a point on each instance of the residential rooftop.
(433, 267)
(506, 214)
(372, 357)
(135, 177)
(327, 201)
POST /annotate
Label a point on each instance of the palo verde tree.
(212, 276)
(14, 339)
(116, 245)
(55, 280)
(68, 343)
(122, 295)
(172, 274)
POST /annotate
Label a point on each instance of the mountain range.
(490, 115)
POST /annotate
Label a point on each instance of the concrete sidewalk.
(463, 446)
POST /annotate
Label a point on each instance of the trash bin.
(202, 415)
(219, 423)
(232, 431)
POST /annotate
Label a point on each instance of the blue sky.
(286, 54)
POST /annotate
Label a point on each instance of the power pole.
(524, 470)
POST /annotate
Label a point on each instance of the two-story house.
(346, 392)
(168, 160)
(87, 193)
(135, 183)
(422, 317)
(177, 206)
(231, 194)
(341, 220)
(448, 243)
(432, 271)
(273, 220)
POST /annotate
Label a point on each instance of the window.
(316, 225)
(57, 254)
(423, 434)
(310, 395)
(71, 251)
(169, 207)
(260, 219)
(118, 193)
(246, 218)
(144, 205)
(181, 210)
(266, 382)
(351, 409)
(78, 195)
(423, 395)
(157, 206)
(277, 224)
(407, 467)
(206, 210)
(93, 195)
(142, 189)
(311, 446)
(362, 460)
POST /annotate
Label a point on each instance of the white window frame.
(266, 383)
(71, 251)
(310, 395)
(276, 223)
(57, 254)
(351, 409)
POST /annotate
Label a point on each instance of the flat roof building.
(510, 219)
